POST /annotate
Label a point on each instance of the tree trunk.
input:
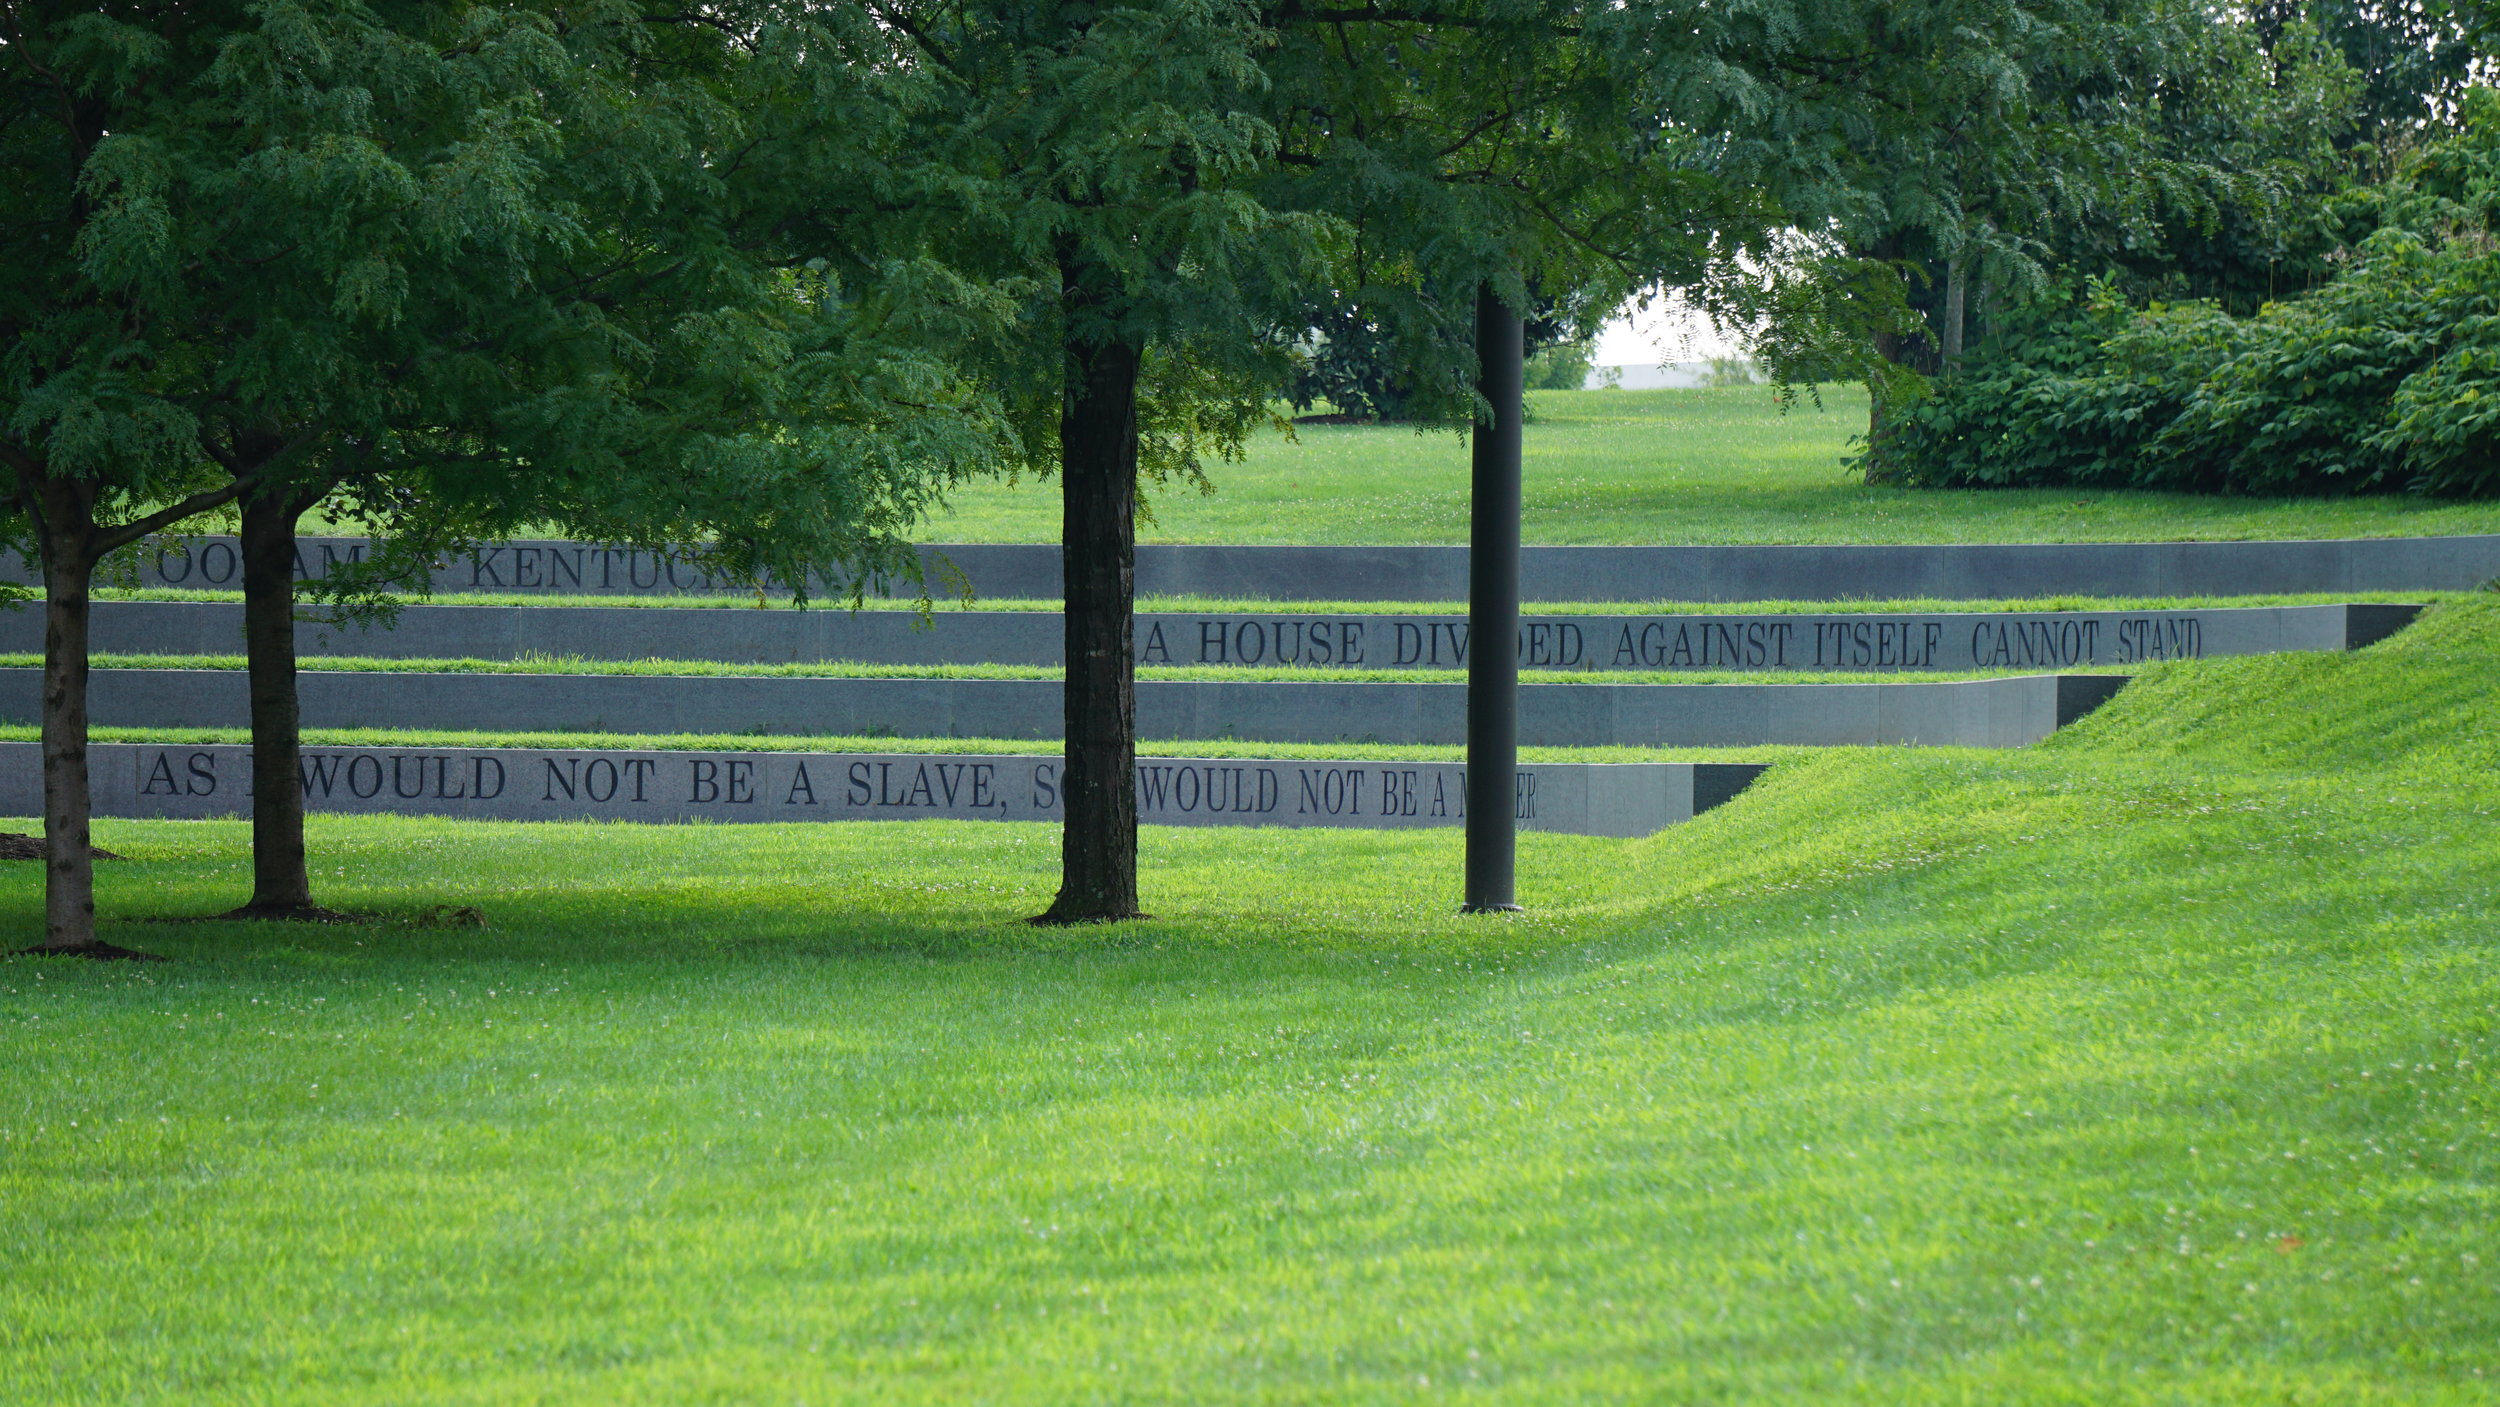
(1913, 351)
(62, 512)
(1956, 289)
(281, 887)
(1098, 543)
(1888, 345)
(1493, 614)
(66, 534)
(68, 812)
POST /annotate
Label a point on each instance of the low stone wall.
(2005, 712)
(1939, 641)
(1961, 571)
(517, 784)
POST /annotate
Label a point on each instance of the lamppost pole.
(1493, 613)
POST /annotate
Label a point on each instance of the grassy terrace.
(1658, 467)
(1698, 466)
(1237, 605)
(839, 669)
(2153, 1064)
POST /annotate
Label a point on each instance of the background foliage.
(2381, 379)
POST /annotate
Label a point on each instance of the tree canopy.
(477, 265)
(760, 279)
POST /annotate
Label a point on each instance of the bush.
(2386, 379)
(1565, 366)
(1731, 371)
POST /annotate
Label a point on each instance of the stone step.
(1951, 572)
(528, 784)
(2005, 712)
(1926, 641)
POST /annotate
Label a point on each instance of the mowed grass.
(1659, 467)
(425, 739)
(2150, 1065)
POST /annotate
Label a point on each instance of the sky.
(1662, 333)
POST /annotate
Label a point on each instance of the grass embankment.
(2153, 1064)
(1224, 605)
(1697, 466)
(1204, 673)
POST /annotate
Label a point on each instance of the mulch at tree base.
(17, 845)
(97, 952)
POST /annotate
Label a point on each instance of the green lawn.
(2153, 1064)
(1722, 465)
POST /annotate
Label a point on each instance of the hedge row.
(2385, 379)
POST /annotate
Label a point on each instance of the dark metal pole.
(1493, 614)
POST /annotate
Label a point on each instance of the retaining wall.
(1966, 571)
(2005, 712)
(1939, 641)
(517, 784)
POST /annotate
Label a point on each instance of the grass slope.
(1695, 466)
(2153, 1064)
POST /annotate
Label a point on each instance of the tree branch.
(1294, 13)
(887, 15)
(137, 528)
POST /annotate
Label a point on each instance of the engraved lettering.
(321, 772)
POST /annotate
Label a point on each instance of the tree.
(473, 265)
(1189, 188)
(2244, 146)
(1564, 366)
(1099, 158)
(2414, 60)
(1361, 367)
(2380, 380)
(667, 373)
(99, 457)
(1179, 186)
(2253, 133)
(2071, 126)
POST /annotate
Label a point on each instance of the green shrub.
(1565, 366)
(2386, 378)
